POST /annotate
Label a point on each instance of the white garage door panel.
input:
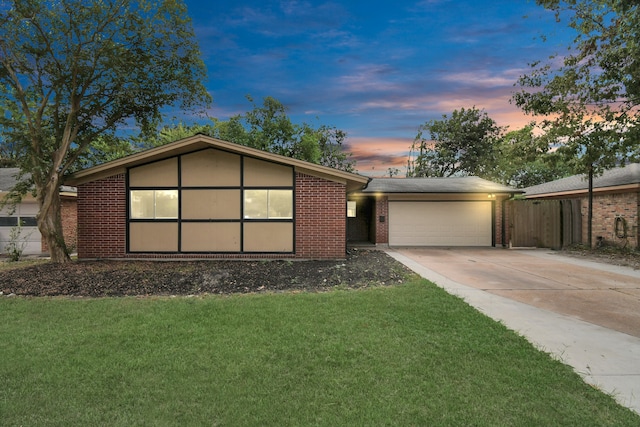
(440, 224)
(30, 238)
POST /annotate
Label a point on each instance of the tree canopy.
(267, 127)
(589, 96)
(462, 144)
(72, 72)
(525, 159)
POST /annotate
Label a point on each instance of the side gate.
(551, 224)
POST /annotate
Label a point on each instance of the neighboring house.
(616, 203)
(201, 197)
(25, 213)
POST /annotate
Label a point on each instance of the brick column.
(382, 228)
(102, 218)
(321, 207)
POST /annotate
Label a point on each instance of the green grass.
(405, 355)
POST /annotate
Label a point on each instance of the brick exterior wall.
(320, 223)
(382, 228)
(102, 215)
(320, 218)
(69, 216)
(69, 212)
(606, 207)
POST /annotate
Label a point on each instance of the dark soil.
(361, 268)
(607, 254)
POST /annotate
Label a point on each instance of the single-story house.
(25, 213)
(616, 203)
(201, 197)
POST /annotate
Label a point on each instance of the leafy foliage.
(17, 243)
(268, 128)
(590, 96)
(74, 71)
(525, 159)
(469, 142)
(463, 144)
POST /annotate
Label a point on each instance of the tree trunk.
(50, 221)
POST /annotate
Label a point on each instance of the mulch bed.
(607, 255)
(361, 268)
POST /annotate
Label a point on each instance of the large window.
(154, 204)
(268, 204)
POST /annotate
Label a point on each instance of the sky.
(375, 69)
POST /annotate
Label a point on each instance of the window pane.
(255, 203)
(280, 204)
(8, 221)
(351, 208)
(28, 221)
(142, 204)
(166, 203)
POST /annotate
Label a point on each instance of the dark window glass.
(28, 221)
(8, 221)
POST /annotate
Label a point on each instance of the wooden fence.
(551, 224)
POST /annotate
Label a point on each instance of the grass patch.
(404, 355)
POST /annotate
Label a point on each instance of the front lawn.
(402, 355)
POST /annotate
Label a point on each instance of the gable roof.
(351, 180)
(466, 184)
(622, 178)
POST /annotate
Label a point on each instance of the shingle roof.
(8, 180)
(467, 184)
(629, 174)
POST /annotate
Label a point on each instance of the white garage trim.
(440, 223)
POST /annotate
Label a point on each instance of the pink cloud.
(375, 155)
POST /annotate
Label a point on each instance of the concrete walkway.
(585, 314)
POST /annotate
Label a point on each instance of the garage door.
(440, 223)
(29, 238)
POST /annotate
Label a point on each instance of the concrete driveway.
(584, 313)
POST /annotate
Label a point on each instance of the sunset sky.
(375, 69)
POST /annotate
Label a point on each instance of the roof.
(8, 180)
(620, 178)
(466, 184)
(353, 181)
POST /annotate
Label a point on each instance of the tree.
(169, 133)
(8, 156)
(463, 144)
(72, 71)
(525, 159)
(269, 128)
(590, 100)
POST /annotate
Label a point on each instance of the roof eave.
(581, 191)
